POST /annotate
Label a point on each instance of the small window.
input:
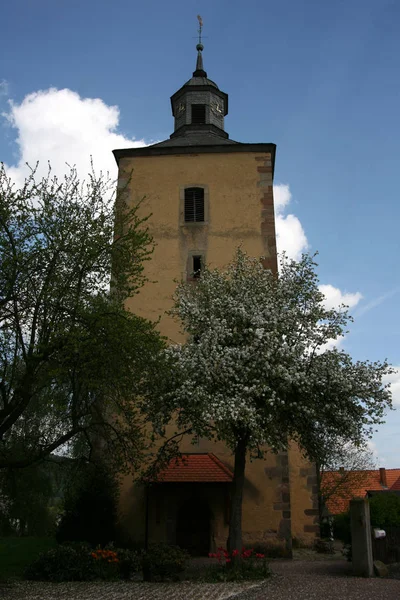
(198, 114)
(194, 205)
(197, 266)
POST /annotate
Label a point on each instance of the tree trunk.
(235, 519)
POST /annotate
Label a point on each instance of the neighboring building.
(341, 486)
(207, 195)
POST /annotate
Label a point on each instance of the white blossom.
(255, 361)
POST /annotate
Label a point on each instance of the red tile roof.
(341, 487)
(195, 468)
(396, 485)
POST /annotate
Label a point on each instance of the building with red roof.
(339, 487)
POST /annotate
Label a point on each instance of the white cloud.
(60, 126)
(375, 302)
(372, 447)
(394, 380)
(3, 87)
(290, 236)
(335, 297)
(292, 239)
(331, 344)
(282, 197)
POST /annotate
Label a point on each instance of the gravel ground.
(291, 580)
(123, 591)
(326, 580)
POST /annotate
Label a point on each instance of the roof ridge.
(220, 464)
(195, 467)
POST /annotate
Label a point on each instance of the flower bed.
(238, 565)
(78, 562)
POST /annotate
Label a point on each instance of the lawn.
(17, 552)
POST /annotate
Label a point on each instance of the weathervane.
(200, 20)
(199, 72)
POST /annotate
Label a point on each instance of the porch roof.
(195, 468)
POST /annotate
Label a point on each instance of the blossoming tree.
(254, 371)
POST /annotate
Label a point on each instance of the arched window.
(194, 205)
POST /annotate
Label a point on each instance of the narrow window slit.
(197, 266)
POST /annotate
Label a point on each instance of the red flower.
(228, 560)
(260, 555)
(235, 552)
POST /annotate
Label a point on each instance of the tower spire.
(199, 72)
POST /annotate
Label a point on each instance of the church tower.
(207, 194)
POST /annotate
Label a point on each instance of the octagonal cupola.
(199, 106)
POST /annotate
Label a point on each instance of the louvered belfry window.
(194, 205)
(198, 114)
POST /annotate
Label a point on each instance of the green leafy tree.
(385, 510)
(255, 370)
(90, 506)
(28, 492)
(72, 358)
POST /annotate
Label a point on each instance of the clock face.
(216, 107)
(181, 108)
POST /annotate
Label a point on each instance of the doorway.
(193, 526)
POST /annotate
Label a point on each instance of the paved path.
(32, 590)
(321, 580)
(292, 580)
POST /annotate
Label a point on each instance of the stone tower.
(208, 194)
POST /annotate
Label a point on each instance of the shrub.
(106, 563)
(63, 563)
(270, 550)
(77, 561)
(341, 527)
(298, 543)
(324, 546)
(90, 509)
(25, 496)
(129, 561)
(238, 566)
(160, 562)
(385, 510)
(325, 527)
(347, 552)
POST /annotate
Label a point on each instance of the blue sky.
(319, 79)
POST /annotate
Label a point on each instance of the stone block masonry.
(268, 234)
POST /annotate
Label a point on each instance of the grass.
(16, 553)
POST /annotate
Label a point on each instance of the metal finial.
(199, 72)
(200, 20)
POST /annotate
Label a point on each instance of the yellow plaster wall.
(234, 218)
(303, 496)
(240, 213)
